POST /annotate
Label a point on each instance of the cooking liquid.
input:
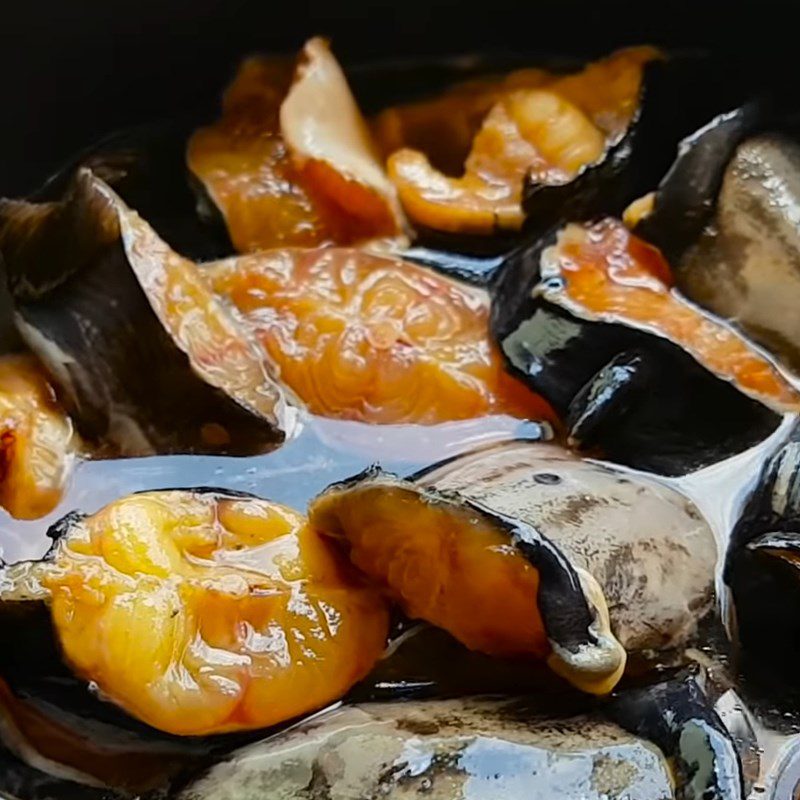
(322, 452)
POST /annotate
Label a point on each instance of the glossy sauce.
(324, 451)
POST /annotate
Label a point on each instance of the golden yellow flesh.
(544, 130)
(199, 613)
(360, 336)
(449, 564)
(451, 568)
(36, 440)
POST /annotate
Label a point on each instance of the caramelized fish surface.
(37, 442)
(200, 613)
(376, 339)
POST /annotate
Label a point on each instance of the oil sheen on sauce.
(322, 452)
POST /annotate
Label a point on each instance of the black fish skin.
(607, 397)
(686, 197)
(669, 415)
(83, 309)
(761, 569)
(677, 716)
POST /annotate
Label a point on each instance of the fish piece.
(373, 338)
(199, 611)
(112, 312)
(290, 161)
(37, 443)
(440, 749)
(494, 582)
(448, 749)
(725, 216)
(592, 322)
(651, 551)
(744, 264)
(614, 560)
(762, 572)
(243, 164)
(545, 135)
(331, 146)
(607, 274)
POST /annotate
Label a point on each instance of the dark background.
(72, 71)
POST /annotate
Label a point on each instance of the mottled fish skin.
(677, 716)
(648, 547)
(745, 264)
(685, 198)
(468, 749)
